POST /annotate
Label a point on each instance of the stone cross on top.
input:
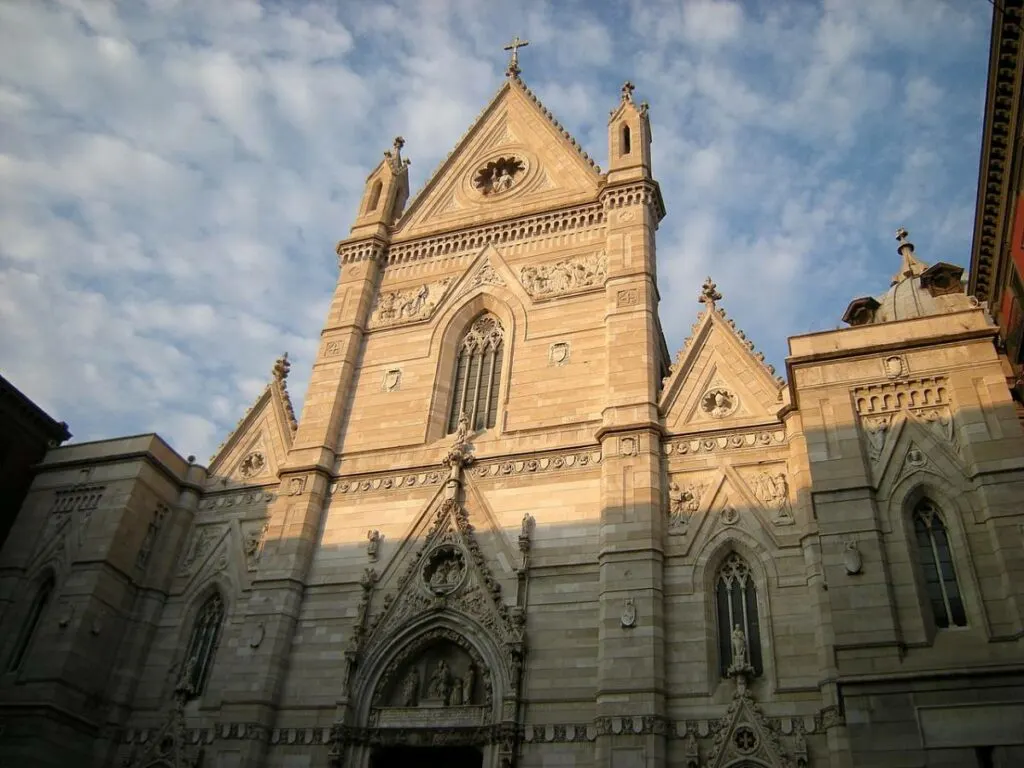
(709, 293)
(513, 63)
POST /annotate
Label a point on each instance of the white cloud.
(173, 176)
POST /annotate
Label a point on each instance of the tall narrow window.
(736, 604)
(28, 628)
(374, 199)
(625, 147)
(203, 643)
(478, 375)
(937, 564)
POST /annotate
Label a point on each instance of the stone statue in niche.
(372, 544)
(411, 688)
(444, 570)
(466, 684)
(719, 403)
(739, 647)
(440, 687)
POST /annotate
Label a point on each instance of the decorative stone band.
(1002, 89)
(716, 443)
(240, 499)
(363, 250)
(481, 469)
(641, 193)
(536, 227)
(824, 720)
(893, 396)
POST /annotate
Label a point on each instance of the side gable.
(551, 168)
(718, 381)
(259, 443)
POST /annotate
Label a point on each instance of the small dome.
(917, 290)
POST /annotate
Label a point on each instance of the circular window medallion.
(745, 740)
(499, 175)
(719, 403)
(253, 464)
(444, 570)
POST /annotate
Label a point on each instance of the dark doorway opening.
(427, 757)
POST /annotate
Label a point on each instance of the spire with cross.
(512, 70)
(709, 293)
(909, 265)
(627, 91)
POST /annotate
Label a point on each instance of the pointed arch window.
(477, 378)
(936, 560)
(374, 199)
(203, 643)
(31, 623)
(736, 605)
(626, 146)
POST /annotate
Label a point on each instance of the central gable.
(514, 160)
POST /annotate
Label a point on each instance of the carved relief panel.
(441, 675)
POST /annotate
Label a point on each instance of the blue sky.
(174, 175)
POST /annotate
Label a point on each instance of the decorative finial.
(395, 157)
(644, 107)
(901, 237)
(512, 70)
(281, 368)
(627, 91)
(909, 266)
(709, 293)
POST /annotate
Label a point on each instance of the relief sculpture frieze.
(408, 305)
(565, 276)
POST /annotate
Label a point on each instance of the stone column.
(631, 654)
(296, 514)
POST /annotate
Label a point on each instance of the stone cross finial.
(281, 368)
(901, 237)
(513, 62)
(395, 157)
(709, 293)
(627, 91)
(909, 265)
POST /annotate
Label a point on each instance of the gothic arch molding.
(452, 324)
(380, 663)
(712, 556)
(193, 603)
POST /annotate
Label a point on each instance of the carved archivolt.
(408, 305)
(565, 276)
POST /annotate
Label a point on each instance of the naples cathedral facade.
(510, 527)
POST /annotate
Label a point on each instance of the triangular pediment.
(745, 734)
(718, 381)
(258, 445)
(549, 169)
(705, 503)
(447, 570)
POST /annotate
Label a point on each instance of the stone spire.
(910, 266)
(709, 293)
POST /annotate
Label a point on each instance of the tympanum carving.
(443, 674)
(719, 403)
(444, 570)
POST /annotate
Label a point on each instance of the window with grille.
(478, 375)
(936, 559)
(28, 628)
(203, 643)
(736, 604)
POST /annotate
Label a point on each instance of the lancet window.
(477, 378)
(203, 643)
(936, 560)
(736, 606)
(28, 628)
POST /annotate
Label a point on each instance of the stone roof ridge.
(709, 296)
(509, 81)
(277, 385)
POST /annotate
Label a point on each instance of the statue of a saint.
(467, 685)
(411, 688)
(739, 648)
(441, 682)
(502, 181)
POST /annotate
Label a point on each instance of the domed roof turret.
(917, 290)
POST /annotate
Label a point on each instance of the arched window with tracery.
(736, 605)
(31, 623)
(477, 379)
(936, 560)
(203, 643)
